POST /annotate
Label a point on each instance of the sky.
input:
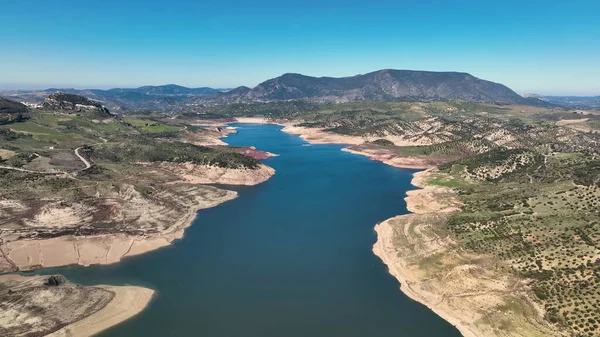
(545, 47)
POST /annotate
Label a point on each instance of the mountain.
(393, 85)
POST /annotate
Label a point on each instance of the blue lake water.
(289, 257)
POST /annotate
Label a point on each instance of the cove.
(289, 257)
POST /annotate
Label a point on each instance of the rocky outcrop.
(71, 103)
(55, 280)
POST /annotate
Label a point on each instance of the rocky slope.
(71, 103)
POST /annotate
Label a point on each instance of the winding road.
(85, 162)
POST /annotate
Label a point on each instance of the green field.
(151, 126)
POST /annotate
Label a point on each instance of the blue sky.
(548, 47)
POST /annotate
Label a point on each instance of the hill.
(12, 112)
(8, 106)
(70, 103)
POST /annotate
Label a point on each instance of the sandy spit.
(127, 302)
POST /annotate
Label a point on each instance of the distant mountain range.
(163, 97)
(382, 85)
(573, 102)
(161, 90)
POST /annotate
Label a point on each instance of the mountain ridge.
(380, 85)
(389, 84)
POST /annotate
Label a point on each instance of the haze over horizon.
(544, 47)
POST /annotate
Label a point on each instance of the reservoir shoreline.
(311, 286)
(383, 247)
(385, 250)
(431, 268)
(28, 255)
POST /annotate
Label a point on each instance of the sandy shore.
(127, 302)
(28, 254)
(168, 224)
(202, 174)
(322, 136)
(465, 289)
(318, 136)
(32, 307)
(252, 120)
(391, 160)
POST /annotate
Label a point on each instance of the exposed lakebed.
(289, 257)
